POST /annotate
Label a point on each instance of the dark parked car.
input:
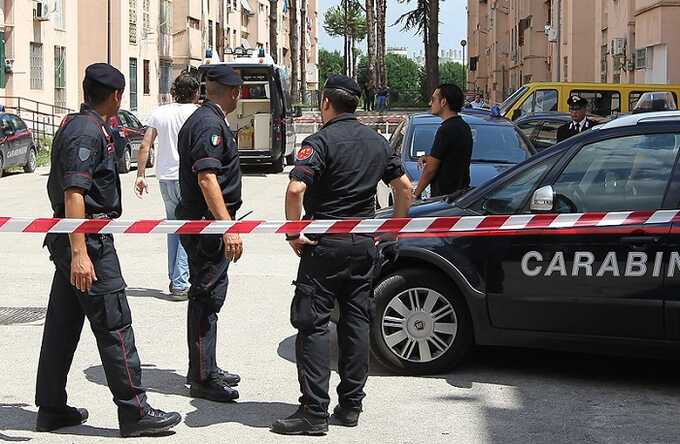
(541, 128)
(498, 145)
(17, 148)
(128, 132)
(583, 254)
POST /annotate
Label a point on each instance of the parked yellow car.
(604, 99)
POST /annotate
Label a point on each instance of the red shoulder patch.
(305, 153)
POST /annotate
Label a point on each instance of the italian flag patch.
(215, 140)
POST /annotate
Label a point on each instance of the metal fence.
(42, 119)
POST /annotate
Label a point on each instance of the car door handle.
(640, 242)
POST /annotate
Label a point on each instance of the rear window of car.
(19, 124)
(497, 143)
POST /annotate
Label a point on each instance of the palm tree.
(273, 29)
(370, 26)
(424, 20)
(303, 49)
(381, 13)
(294, 57)
(348, 21)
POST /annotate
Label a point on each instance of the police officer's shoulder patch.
(215, 140)
(84, 153)
(305, 153)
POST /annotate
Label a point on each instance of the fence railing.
(42, 119)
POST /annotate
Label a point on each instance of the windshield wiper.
(505, 162)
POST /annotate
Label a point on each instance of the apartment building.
(513, 42)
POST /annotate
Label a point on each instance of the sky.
(452, 28)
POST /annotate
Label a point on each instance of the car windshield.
(510, 101)
(491, 143)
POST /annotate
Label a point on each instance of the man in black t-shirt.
(447, 168)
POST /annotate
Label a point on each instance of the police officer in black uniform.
(335, 177)
(210, 186)
(84, 183)
(578, 108)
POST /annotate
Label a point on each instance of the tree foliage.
(329, 63)
(337, 24)
(453, 72)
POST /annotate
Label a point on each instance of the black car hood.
(428, 208)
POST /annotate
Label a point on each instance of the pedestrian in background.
(447, 167)
(381, 97)
(165, 124)
(84, 183)
(210, 188)
(336, 174)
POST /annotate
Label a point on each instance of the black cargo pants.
(340, 268)
(208, 268)
(106, 307)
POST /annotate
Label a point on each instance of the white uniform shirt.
(167, 120)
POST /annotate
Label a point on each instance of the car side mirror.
(543, 198)
(516, 114)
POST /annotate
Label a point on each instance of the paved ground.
(498, 396)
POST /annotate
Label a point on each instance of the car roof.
(471, 119)
(545, 115)
(642, 118)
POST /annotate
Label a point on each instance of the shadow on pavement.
(152, 293)
(15, 417)
(169, 382)
(541, 396)
(286, 350)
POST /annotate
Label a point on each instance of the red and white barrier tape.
(426, 225)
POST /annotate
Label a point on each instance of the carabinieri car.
(584, 282)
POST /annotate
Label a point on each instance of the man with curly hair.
(164, 124)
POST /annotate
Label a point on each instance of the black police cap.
(224, 75)
(343, 83)
(106, 75)
(577, 102)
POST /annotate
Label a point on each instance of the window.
(602, 103)
(147, 80)
(621, 174)
(511, 196)
(133, 84)
(548, 133)
(132, 22)
(194, 23)
(18, 124)
(543, 100)
(210, 34)
(164, 83)
(528, 128)
(165, 18)
(60, 76)
(635, 96)
(59, 22)
(146, 20)
(398, 137)
(3, 77)
(36, 65)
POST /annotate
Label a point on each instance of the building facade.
(513, 42)
(45, 45)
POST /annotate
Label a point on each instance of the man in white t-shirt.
(165, 123)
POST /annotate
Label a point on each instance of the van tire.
(277, 164)
(290, 159)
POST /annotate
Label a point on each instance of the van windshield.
(510, 101)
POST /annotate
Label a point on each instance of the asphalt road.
(497, 396)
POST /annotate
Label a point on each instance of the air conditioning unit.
(9, 66)
(618, 46)
(40, 11)
(551, 33)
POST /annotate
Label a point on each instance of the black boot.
(53, 419)
(152, 423)
(347, 417)
(301, 423)
(214, 389)
(232, 379)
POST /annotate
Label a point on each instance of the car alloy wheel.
(32, 162)
(419, 325)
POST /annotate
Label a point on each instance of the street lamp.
(463, 43)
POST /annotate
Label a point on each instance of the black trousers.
(208, 268)
(107, 310)
(340, 268)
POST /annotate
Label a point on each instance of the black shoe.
(232, 379)
(53, 419)
(179, 294)
(301, 423)
(346, 417)
(214, 389)
(152, 423)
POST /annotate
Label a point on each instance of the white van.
(263, 120)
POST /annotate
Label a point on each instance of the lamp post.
(108, 32)
(463, 43)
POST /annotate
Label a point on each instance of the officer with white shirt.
(164, 124)
(578, 107)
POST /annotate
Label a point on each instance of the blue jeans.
(178, 267)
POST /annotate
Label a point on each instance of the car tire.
(277, 164)
(31, 161)
(126, 161)
(421, 324)
(290, 159)
(2, 165)
(151, 160)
